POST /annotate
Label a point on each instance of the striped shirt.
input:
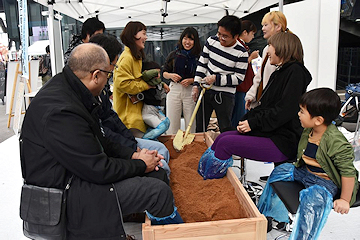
(229, 64)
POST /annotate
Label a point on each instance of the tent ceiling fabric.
(117, 13)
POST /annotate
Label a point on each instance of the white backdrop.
(316, 23)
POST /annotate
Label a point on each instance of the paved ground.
(5, 132)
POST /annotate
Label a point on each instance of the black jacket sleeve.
(267, 119)
(74, 145)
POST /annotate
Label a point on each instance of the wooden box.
(252, 227)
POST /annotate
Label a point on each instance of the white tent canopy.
(320, 41)
(38, 48)
(117, 13)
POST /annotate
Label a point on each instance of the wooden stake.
(13, 94)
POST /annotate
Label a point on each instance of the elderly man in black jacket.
(61, 135)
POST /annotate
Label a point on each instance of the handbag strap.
(261, 85)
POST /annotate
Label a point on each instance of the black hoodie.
(277, 115)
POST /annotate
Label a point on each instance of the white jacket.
(269, 69)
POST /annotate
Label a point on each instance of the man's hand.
(195, 93)
(209, 79)
(341, 206)
(243, 127)
(186, 82)
(175, 77)
(150, 157)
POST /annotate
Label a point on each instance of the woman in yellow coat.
(128, 80)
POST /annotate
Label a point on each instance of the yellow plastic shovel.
(181, 139)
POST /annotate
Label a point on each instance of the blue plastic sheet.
(315, 205)
(270, 204)
(211, 167)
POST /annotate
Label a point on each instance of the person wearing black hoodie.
(271, 131)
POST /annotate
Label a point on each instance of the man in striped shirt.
(223, 64)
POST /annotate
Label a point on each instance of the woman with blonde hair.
(272, 22)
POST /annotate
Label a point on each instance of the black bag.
(43, 211)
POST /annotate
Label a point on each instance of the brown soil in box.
(200, 200)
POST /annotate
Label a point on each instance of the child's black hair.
(147, 65)
(322, 102)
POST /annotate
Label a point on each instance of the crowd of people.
(72, 127)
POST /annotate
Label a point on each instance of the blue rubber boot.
(174, 218)
(156, 132)
(212, 167)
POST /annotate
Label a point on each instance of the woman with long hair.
(180, 67)
(128, 79)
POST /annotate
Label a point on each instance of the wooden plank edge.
(206, 229)
(242, 194)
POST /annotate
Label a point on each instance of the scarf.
(185, 63)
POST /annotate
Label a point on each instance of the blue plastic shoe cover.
(211, 167)
(174, 218)
(160, 129)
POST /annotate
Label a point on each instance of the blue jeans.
(160, 147)
(308, 179)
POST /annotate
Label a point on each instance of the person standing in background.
(45, 66)
(273, 22)
(248, 29)
(180, 67)
(90, 27)
(223, 65)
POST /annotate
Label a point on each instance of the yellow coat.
(127, 80)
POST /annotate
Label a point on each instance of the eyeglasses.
(109, 74)
(223, 37)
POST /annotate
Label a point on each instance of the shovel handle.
(194, 112)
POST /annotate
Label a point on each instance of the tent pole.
(281, 6)
(50, 22)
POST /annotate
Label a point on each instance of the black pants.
(222, 103)
(138, 194)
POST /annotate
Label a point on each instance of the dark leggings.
(254, 148)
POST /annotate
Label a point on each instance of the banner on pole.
(24, 35)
